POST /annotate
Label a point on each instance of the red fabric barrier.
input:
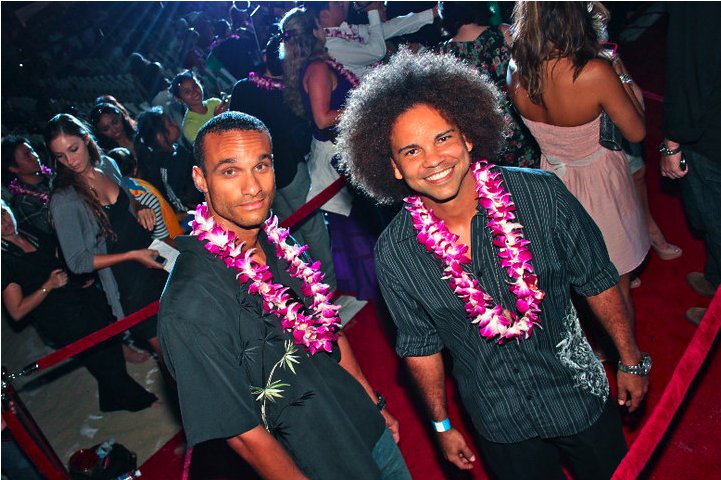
(313, 204)
(655, 428)
(94, 338)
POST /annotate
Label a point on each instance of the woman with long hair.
(64, 308)
(488, 48)
(315, 88)
(113, 127)
(561, 85)
(100, 227)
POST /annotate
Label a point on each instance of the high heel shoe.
(669, 252)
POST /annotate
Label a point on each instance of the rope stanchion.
(28, 435)
(31, 449)
(655, 428)
(314, 203)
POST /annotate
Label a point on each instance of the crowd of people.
(485, 119)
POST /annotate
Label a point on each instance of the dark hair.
(9, 145)
(66, 124)
(178, 79)
(101, 109)
(545, 31)
(226, 122)
(150, 123)
(315, 8)
(461, 95)
(125, 160)
(456, 14)
(272, 56)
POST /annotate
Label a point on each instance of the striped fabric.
(547, 386)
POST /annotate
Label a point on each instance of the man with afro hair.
(419, 129)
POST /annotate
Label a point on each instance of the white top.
(360, 47)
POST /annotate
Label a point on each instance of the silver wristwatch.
(642, 368)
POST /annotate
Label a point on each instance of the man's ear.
(199, 179)
(396, 173)
(469, 145)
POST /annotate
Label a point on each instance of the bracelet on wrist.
(642, 368)
(442, 426)
(381, 402)
(625, 78)
(44, 290)
(666, 151)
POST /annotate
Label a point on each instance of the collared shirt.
(547, 386)
(221, 347)
(359, 47)
(30, 211)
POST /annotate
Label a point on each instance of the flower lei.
(17, 189)
(351, 36)
(266, 83)
(344, 72)
(313, 328)
(491, 318)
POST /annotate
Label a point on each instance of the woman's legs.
(665, 250)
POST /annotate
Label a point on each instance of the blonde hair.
(300, 46)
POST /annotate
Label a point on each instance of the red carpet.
(690, 448)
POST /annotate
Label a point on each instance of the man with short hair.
(248, 331)
(418, 130)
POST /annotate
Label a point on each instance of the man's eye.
(410, 152)
(229, 172)
(444, 138)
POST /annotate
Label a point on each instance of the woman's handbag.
(609, 135)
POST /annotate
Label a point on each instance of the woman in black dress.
(100, 227)
(63, 309)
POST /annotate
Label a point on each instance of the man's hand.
(146, 218)
(671, 166)
(392, 425)
(455, 449)
(631, 389)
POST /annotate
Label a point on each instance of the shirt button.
(515, 370)
(528, 397)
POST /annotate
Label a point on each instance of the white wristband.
(442, 426)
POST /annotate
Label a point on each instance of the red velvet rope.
(673, 395)
(96, 337)
(134, 318)
(314, 203)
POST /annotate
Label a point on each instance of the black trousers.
(592, 454)
(72, 314)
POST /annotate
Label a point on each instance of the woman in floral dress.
(489, 50)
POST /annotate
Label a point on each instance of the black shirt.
(692, 102)
(291, 134)
(221, 347)
(547, 386)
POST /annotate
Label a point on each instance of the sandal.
(670, 252)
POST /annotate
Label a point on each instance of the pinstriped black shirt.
(547, 386)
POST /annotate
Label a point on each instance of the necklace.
(265, 82)
(344, 72)
(493, 321)
(314, 327)
(16, 188)
(351, 36)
